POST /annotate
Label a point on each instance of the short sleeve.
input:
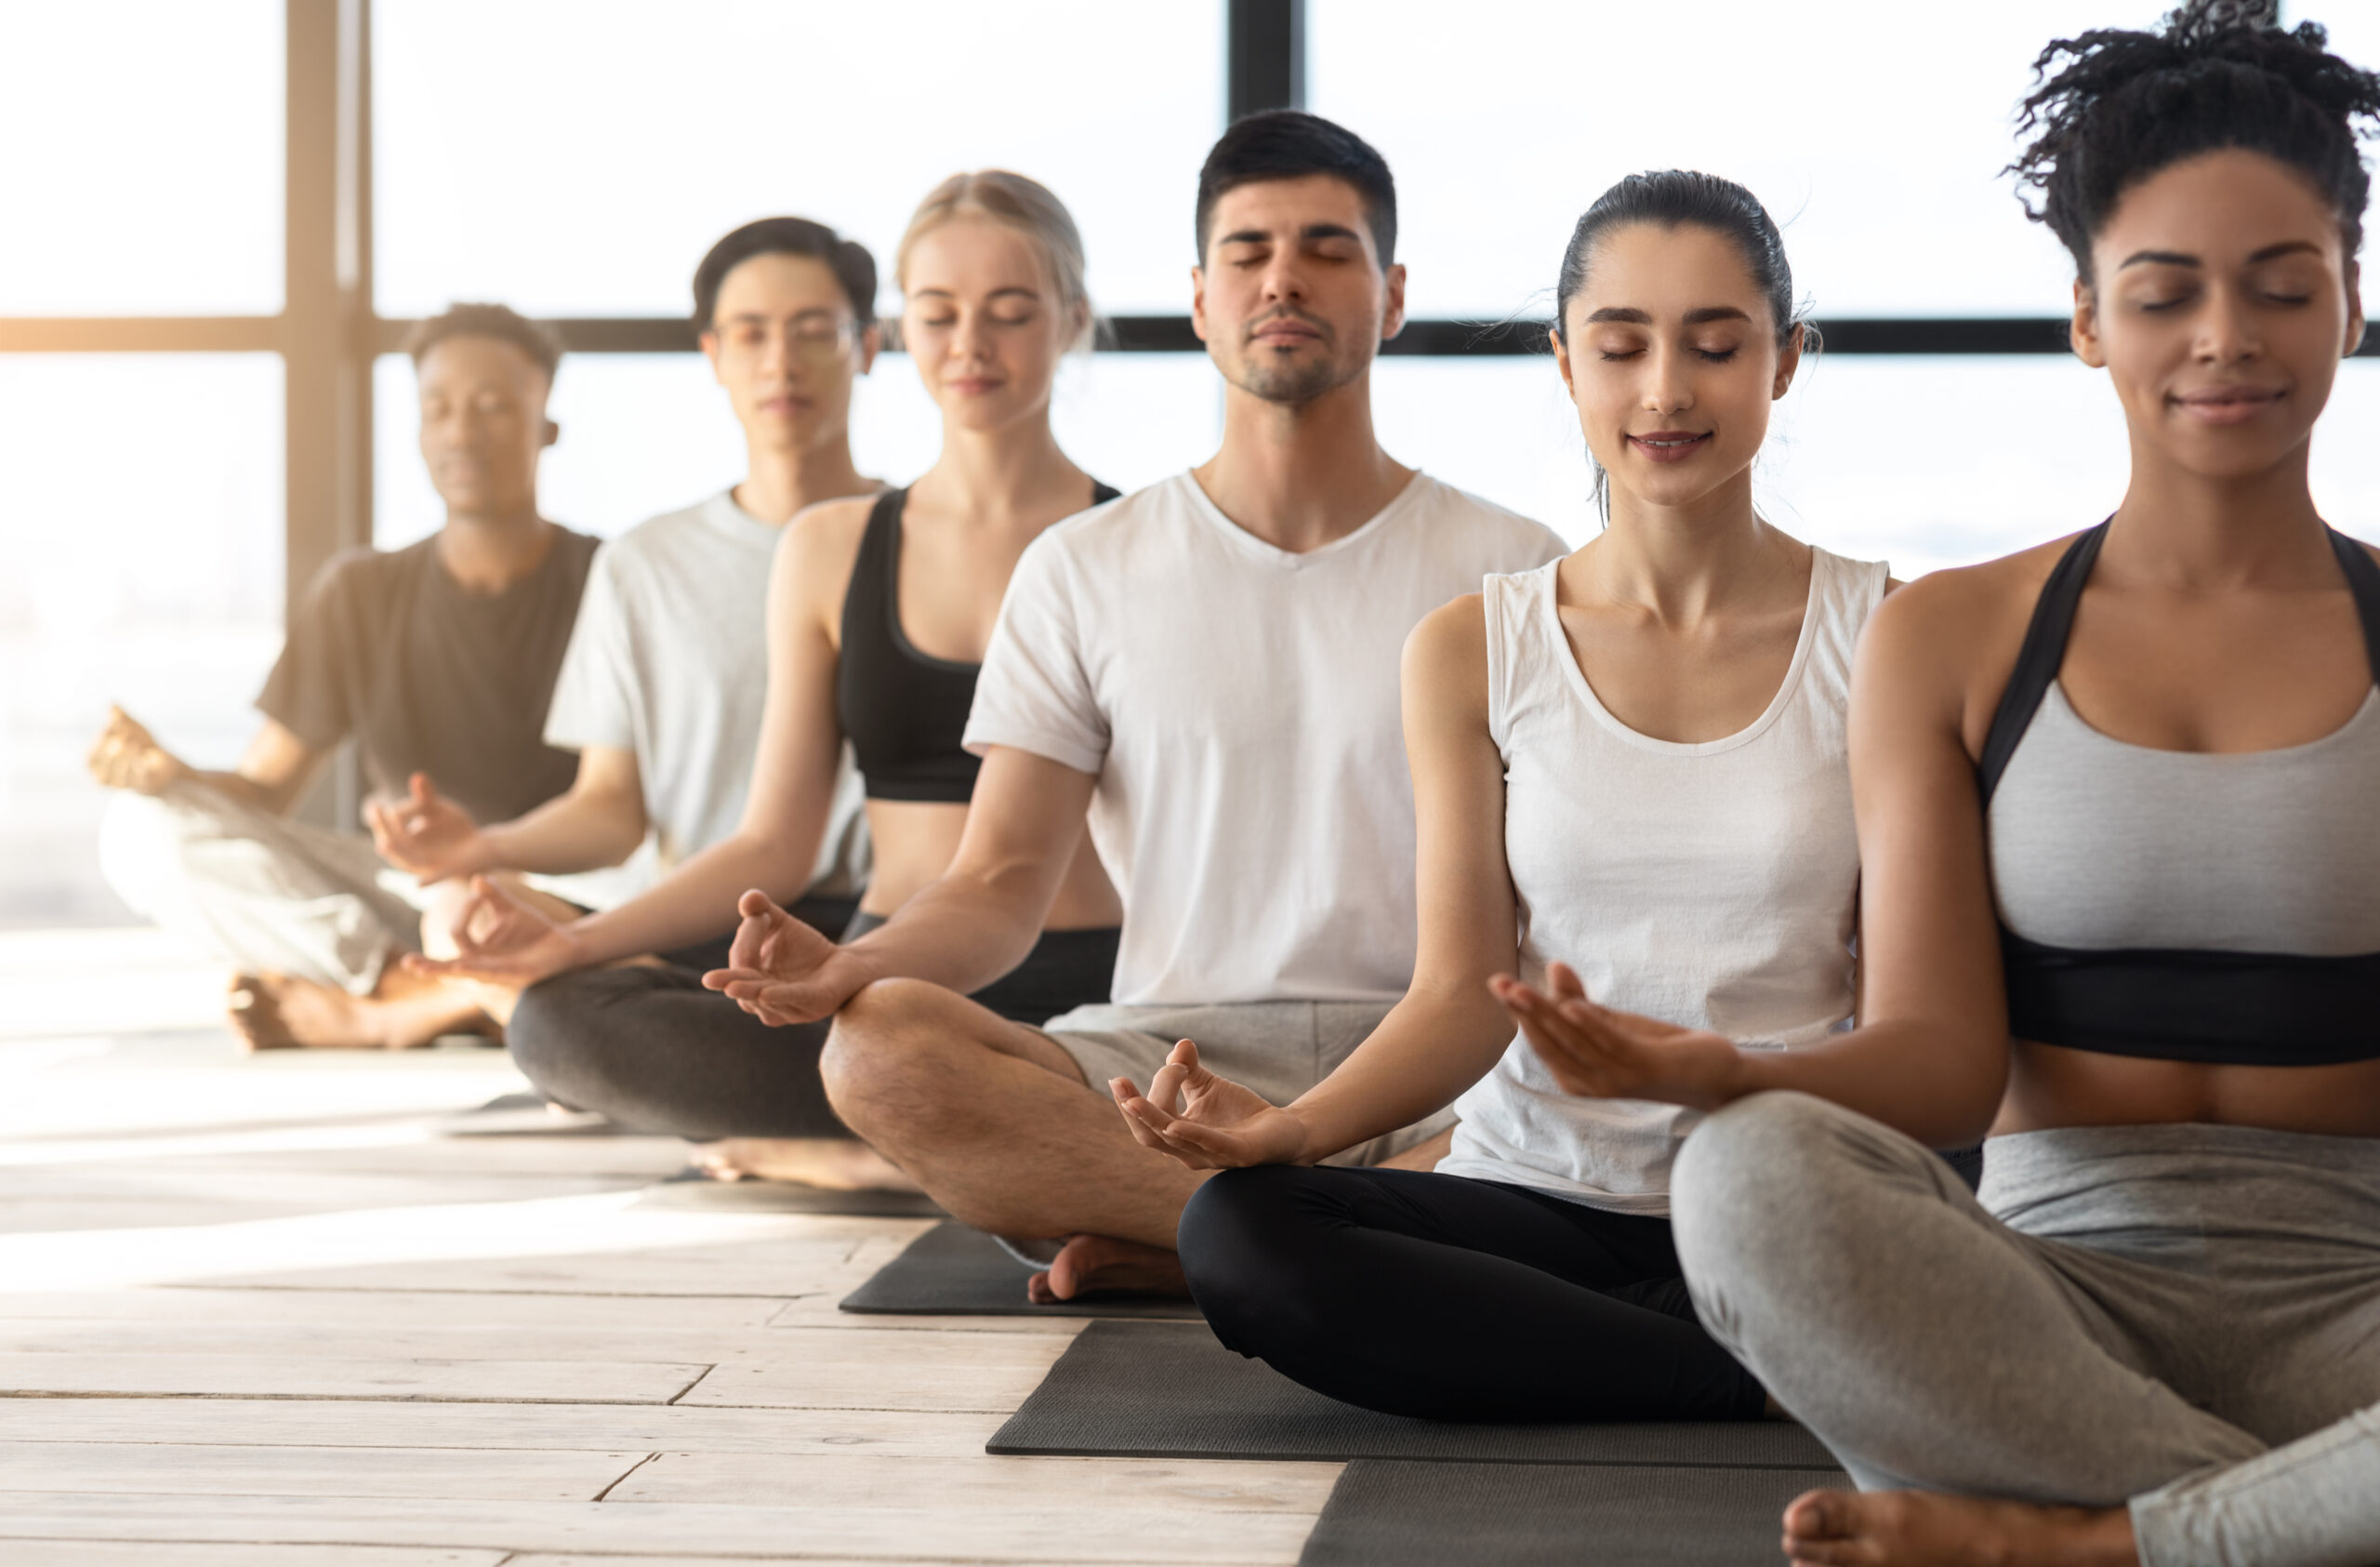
(1035, 692)
(595, 694)
(310, 690)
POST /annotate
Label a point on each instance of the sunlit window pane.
(142, 171)
(647, 433)
(526, 153)
(1873, 131)
(146, 569)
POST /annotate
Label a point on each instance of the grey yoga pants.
(2181, 1319)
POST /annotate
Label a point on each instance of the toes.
(1818, 1515)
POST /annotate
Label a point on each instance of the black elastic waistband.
(2218, 1008)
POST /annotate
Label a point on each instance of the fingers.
(421, 790)
(757, 905)
(1562, 982)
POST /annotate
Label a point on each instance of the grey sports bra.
(2218, 909)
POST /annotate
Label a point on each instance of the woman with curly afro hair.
(2120, 896)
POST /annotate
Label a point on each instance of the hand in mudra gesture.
(502, 940)
(781, 970)
(1208, 1122)
(1599, 1053)
(425, 833)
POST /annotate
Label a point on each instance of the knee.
(889, 1053)
(1244, 1256)
(1746, 1157)
(556, 1035)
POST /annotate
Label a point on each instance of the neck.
(2188, 531)
(489, 552)
(1684, 563)
(781, 480)
(1014, 472)
(1299, 475)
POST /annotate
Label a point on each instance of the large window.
(575, 161)
(527, 154)
(142, 170)
(1874, 130)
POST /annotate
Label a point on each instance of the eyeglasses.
(814, 335)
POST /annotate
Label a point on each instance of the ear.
(1562, 363)
(871, 343)
(2355, 322)
(1789, 360)
(707, 341)
(1392, 319)
(552, 433)
(2083, 331)
(1199, 301)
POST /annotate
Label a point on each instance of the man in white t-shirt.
(660, 693)
(1210, 669)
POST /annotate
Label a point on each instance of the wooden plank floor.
(264, 1312)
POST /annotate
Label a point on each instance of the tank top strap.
(1513, 604)
(868, 597)
(1848, 592)
(2363, 582)
(2037, 660)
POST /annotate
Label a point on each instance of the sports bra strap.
(2363, 582)
(2037, 661)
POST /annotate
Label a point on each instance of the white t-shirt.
(1238, 706)
(669, 659)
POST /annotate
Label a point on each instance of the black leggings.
(651, 1049)
(1455, 1299)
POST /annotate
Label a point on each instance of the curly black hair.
(2115, 106)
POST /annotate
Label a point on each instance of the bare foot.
(275, 1012)
(1101, 1264)
(830, 1163)
(1920, 1528)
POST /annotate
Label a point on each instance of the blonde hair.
(1017, 202)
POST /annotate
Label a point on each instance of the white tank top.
(1714, 886)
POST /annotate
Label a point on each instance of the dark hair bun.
(2114, 106)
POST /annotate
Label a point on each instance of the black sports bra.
(904, 711)
(2180, 1005)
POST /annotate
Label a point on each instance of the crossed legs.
(2003, 1396)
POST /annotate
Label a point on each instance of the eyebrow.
(762, 319)
(1311, 232)
(2178, 258)
(1634, 317)
(1015, 292)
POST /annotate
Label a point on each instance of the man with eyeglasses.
(661, 692)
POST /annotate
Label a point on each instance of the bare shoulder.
(1444, 666)
(1950, 637)
(1455, 632)
(819, 547)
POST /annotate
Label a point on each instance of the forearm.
(962, 932)
(1432, 1045)
(697, 900)
(239, 787)
(1942, 1092)
(570, 833)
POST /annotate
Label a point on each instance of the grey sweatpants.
(258, 890)
(2182, 1319)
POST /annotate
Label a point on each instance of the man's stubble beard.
(1292, 384)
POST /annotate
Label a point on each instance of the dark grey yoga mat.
(692, 1189)
(1514, 1515)
(955, 1271)
(1169, 1390)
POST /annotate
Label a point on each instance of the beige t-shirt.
(1238, 704)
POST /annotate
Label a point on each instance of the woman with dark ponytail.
(2122, 901)
(1632, 760)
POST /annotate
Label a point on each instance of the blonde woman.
(881, 608)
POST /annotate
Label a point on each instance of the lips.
(2227, 405)
(1669, 446)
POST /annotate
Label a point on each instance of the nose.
(1283, 282)
(1668, 385)
(2226, 329)
(970, 337)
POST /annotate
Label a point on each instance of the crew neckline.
(1296, 560)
